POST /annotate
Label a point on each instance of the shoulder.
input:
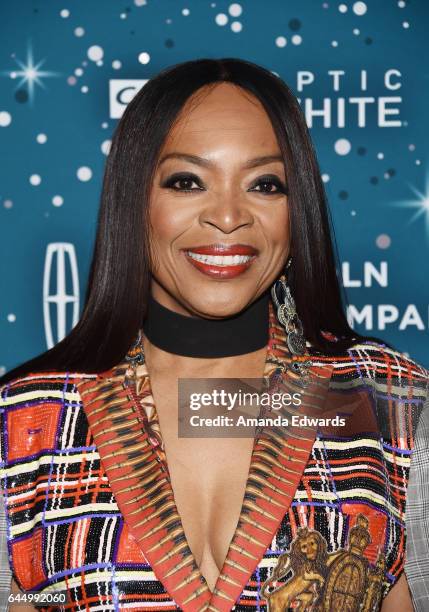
(35, 410)
(36, 387)
(381, 367)
(393, 370)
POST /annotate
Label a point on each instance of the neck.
(198, 337)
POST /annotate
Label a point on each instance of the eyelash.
(168, 183)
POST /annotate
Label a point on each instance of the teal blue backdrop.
(67, 71)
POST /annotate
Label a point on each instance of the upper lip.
(223, 249)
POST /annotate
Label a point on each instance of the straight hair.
(120, 272)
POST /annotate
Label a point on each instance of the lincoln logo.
(60, 273)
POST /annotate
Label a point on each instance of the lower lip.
(220, 271)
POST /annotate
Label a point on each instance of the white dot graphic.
(236, 26)
(104, 125)
(342, 8)
(5, 118)
(334, 43)
(11, 317)
(65, 13)
(78, 72)
(342, 146)
(99, 63)
(185, 12)
(296, 39)
(325, 178)
(412, 147)
(35, 179)
(235, 10)
(356, 31)
(383, 241)
(380, 155)
(116, 64)
(281, 41)
(84, 173)
(105, 147)
(95, 53)
(144, 57)
(359, 8)
(57, 200)
(139, 2)
(406, 25)
(41, 138)
(221, 19)
(79, 32)
(401, 4)
(84, 89)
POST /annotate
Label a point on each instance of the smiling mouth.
(221, 261)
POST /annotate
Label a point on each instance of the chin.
(219, 307)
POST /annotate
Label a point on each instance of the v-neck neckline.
(125, 427)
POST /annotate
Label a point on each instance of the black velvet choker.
(193, 336)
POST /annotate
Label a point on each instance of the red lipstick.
(221, 261)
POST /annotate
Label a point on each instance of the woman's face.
(218, 210)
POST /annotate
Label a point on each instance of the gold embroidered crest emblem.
(306, 559)
(323, 582)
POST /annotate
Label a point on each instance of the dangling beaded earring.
(289, 319)
(135, 357)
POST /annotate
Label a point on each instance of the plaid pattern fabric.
(65, 513)
(417, 562)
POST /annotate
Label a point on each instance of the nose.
(227, 212)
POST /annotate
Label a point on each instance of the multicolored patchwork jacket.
(91, 513)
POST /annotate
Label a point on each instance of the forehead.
(222, 110)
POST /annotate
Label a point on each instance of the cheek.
(276, 225)
(168, 220)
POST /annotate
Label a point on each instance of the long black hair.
(119, 279)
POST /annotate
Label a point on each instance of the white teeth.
(220, 260)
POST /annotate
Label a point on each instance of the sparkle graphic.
(30, 73)
(421, 204)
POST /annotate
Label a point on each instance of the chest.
(208, 477)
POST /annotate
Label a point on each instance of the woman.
(213, 259)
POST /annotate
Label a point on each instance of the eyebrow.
(206, 163)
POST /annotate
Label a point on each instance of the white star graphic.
(421, 204)
(30, 73)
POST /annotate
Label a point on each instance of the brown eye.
(182, 182)
(269, 186)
